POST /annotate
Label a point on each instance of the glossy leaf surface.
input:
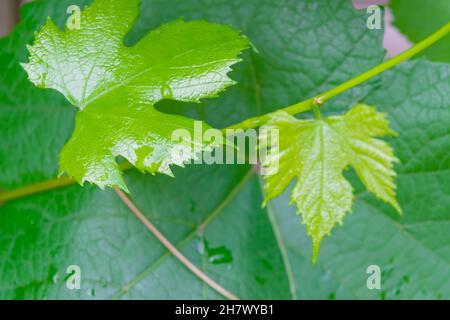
(316, 152)
(116, 86)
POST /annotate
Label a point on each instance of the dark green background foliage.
(303, 47)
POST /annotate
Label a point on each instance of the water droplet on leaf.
(166, 92)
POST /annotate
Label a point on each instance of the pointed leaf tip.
(316, 152)
(315, 251)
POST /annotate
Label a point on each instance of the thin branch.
(260, 120)
(388, 64)
(214, 285)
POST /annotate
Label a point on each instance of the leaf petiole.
(323, 97)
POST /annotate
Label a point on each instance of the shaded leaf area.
(298, 55)
(418, 19)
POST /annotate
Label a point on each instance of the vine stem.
(388, 64)
(39, 187)
(260, 120)
(172, 249)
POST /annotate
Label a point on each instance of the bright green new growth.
(115, 86)
(124, 130)
(316, 152)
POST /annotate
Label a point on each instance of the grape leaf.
(115, 86)
(43, 234)
(316, 152)
(417, 19)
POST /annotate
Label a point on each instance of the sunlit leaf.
(116, 86)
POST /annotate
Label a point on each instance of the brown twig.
(9, 16)
(166, 243)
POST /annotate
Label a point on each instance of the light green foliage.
(417, 19)
(116, 86)
(316, 152)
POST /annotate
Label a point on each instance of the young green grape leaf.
(417, 19)
(316, 152)
(116, 86)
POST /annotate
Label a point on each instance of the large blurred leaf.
(44, 234)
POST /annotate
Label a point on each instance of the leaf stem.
(9, 195)
(31, 189)
(325, 96)
(172, 249)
